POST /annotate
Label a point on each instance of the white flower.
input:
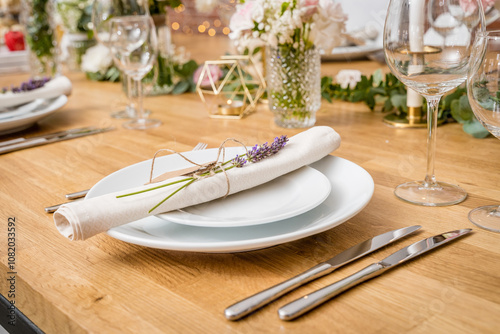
(300, 23)
(348, 78)
(96, 59)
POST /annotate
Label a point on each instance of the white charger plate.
(281, 198)
(24, 121)
(352, 189)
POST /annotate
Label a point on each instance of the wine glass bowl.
(483, 91)
(427, 45)
(103, 11)
(134, 47)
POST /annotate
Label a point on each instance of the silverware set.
(306, 303)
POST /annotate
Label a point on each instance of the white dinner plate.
(281, 198)
(352, 189)
(20, 122)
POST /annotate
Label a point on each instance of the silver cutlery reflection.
(252, 303)
(22, 143)
(82, 193)
(302, 305)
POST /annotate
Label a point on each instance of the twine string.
(206, 169)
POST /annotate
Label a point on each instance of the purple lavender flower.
(278, 144)
(263, 151)
(31, 84)
(239, 161)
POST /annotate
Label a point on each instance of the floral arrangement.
(297, 23)
(75, 16)
(97, 63)
(254, 155)
(40, 35)
(391, 94)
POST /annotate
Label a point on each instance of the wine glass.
(102, 13)
(134, 46)
(483, 90)
(427, 45)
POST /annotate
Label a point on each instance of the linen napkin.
(55, 87)
(84, 219)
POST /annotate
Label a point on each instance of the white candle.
(416, 23)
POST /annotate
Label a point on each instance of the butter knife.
(302, 305)
(252, 303)
(22, 143)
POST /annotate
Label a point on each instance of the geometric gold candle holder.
(227, 90)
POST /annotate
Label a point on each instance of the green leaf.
(180, 87)
(377, 77)
(398, 101)
(475, 129)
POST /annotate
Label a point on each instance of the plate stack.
(307, 201)
(13, 61)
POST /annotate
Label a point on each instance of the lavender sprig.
(257, 153)
(26, 86)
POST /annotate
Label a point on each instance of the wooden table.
(103, 285)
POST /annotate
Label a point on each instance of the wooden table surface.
(103, 285)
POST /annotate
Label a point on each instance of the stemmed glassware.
(428, 44)
(134, 46)
(483, 90)
(102, 13)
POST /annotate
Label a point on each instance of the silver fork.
(83, 193)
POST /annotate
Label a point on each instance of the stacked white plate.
(13, 61)
(21, 117)
(310, 200)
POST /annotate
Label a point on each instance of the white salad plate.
(281, 198)
(19, 122)
(351, 190)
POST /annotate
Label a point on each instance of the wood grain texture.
(103, 285)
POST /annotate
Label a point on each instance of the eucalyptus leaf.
(475, 129)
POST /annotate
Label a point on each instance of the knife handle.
(250, 304)
(302, 305)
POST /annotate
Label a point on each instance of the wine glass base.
(440, 194)
(487, 217)
(142, 124)
(127, 114)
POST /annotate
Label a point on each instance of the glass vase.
(293, 78)
(37, 17)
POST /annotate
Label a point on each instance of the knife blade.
(252, 303)
(302, 305)
(22, 143)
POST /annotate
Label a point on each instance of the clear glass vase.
(293, 85)
(38, 19)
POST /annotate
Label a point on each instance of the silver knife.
(302, 305)
(250, 304)
(46, 136)
(51, 138)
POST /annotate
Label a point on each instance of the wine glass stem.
(432, 115)
(138, 99)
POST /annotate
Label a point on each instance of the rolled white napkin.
(84, 219)
(55, 87)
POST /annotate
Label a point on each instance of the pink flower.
(470, 5)
(242, 19)
(213, 71)
(309, 8)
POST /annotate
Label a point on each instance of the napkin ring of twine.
(203, 170)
